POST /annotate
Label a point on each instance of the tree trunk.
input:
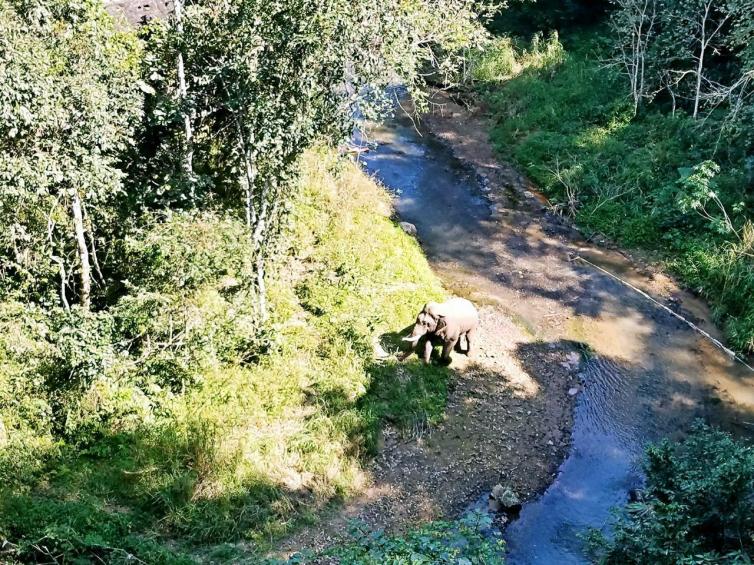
(86, 270)
(261, 288)
(700, 65)
(251, 175)
(188, 155)
(63, 280)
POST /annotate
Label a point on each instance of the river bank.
(492, 238)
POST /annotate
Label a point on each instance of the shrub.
(467, 541)
(697, 505)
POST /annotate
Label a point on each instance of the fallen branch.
(693, 326)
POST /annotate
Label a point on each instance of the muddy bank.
(508, 421)
(509, 413)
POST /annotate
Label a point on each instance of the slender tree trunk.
(700, 65)
(255, 222)
(188, 155)
(260, 227)
(63, 280)
(261, 288)
(251, 175)
(86, 270)
(92, 245)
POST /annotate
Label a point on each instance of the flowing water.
(647, 375)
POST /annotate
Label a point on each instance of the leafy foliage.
(697, 505)
(170, 414)
(69, 105)
(468, 541)
(170, 365)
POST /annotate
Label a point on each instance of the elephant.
(444, 324)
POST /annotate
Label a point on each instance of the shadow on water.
(649, 377)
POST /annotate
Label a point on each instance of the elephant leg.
(447, 348)
(470, 340)
(427, 353)
(462, 344)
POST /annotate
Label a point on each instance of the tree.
(693, 32)
(271, 78)
(697, 505)
(634, 25)
(68, 100)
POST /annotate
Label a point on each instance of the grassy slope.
(256, 447)
(566, 120)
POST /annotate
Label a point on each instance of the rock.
(379, 351)
(572, 361)
(409, 228)
(573, 391)
(505, 498)
(494, 505)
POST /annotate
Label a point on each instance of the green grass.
(199, 444)
(565, 118)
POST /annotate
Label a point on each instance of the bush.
(464, 542)
(697, 505)
(503, 58)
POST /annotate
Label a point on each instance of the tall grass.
(565, 118)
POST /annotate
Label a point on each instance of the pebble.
(573, 391)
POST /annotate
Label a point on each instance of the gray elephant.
(444, 324)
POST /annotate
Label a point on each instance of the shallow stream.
(647, 375)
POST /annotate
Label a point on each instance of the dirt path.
(492, 239)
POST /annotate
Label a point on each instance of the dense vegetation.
(467, 541)
(641, 144)
(192, 284)
(697, 505)
(250, 446)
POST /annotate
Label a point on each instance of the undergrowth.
(565, 117)
(172, 415)
(697, 505)
(469, 540)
